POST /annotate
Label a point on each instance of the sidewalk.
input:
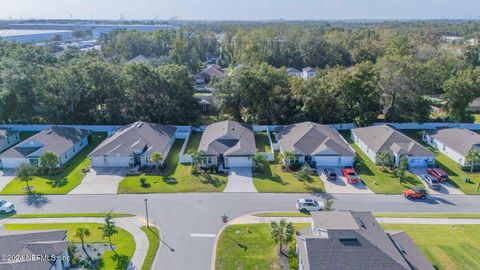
(251, 219)
(131, 224)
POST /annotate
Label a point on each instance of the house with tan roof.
(228, 144)
(384, 138)
(455, 143)
(133, 144)
(310, 141)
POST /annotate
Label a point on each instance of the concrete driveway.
(240, 180)
(101, 181)
(6, 176)
(341, 185)
(445, 189)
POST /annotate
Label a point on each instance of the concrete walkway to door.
(240, 180)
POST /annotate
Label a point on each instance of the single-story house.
(350, 240)
(384, 138)
(474, 106)
(64, 142)
(206, 75)
(228, 144)
(8, 137)
(308, 73)
(293, 72)
(133, 145)
(310, 141)
(25, 250)
(455, 143)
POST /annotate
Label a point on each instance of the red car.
(415, 193)
(351, 175)
(438, 174)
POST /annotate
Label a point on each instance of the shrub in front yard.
(144, 183)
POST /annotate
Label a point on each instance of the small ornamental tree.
(25, 172)
(81, 233)
(473, 157)
(260, 162)
(49, 161)
(282, 232)
(109, 229)
(156, 158)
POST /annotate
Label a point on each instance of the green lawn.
(276, 180)
(455, 174)
(186, 182)
(282, 214)
(422, 215)
(377, 181)
(153, 244)
(476, 117)
(123, 241)
(262, 142)
(445, 246)
(193, 142)
(251, 248)
(69, 215)
(64, 182)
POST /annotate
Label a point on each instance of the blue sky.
(242, 9)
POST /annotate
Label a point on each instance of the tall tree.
(49, 161)
(109, 229)
(26, 172)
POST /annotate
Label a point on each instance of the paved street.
(189, 222)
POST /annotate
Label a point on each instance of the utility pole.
(146, 211)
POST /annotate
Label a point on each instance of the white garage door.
(12, 163)
(418, 162)
(323, 161)
(110, 161)
(238, 162)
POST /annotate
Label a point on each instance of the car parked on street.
(330, 174)
(438, 173)
(431, 181)
(351, 175)
(6, 207)
(415, 193)
(307, 205)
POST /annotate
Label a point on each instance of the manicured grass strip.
(62, 183)
(445, 246)
(248, 246)
(193, 142)
(262, 142)
(273, 179)
(69, 215)
(455, 174)
(282, 214)
(373, 178)
(153, 243)
(421, 215)
(123, 241)
(186, 182)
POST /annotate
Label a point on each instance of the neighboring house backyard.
(248, 246)
(123, 241)
(193, 142)
(451, 247)
(373, 178)
(175, 177)
(455, 174)
(274, 179)
(262, 142)
(68, 178)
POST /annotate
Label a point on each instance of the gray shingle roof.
(310, 138)
(56, 139)
(229, 138)
(386, 138)
(138, 135)
(459, 139)
(358, 237)
(293, 70)
(32, 243)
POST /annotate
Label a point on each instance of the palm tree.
(81, 233)
(287, 157)
(473, 157)
(304, 173)
(282, 233)
(384, 158)
(25, 172)
(328, 201)
(260, 162)
(156, 157)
